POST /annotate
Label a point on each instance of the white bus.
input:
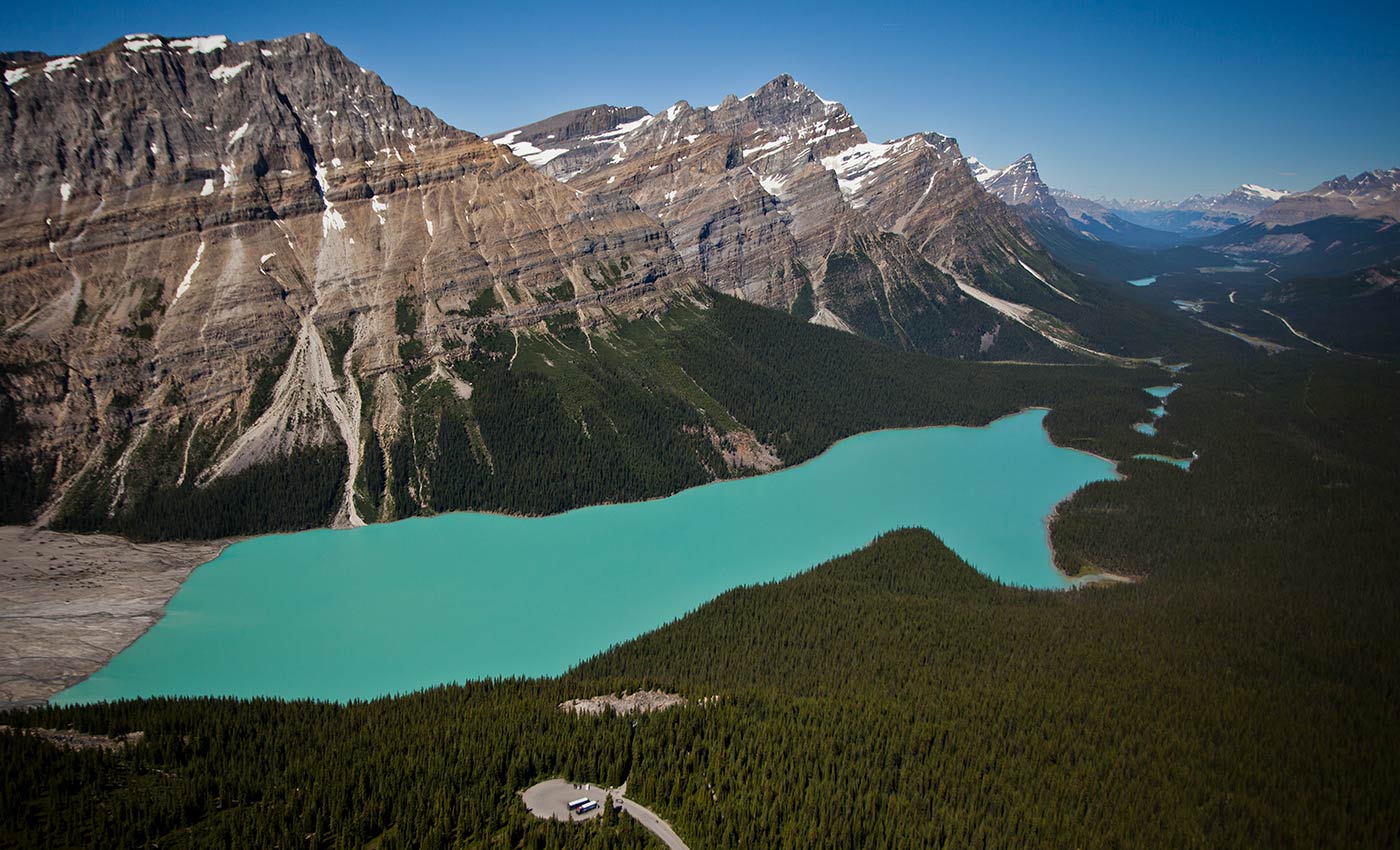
(587, 807)
(574, 806)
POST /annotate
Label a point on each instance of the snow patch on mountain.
(65, 63)
(201, 43)
(1263, 192)
(228, 72)
(855, 164)
(772, 184)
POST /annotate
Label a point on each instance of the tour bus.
(574, 806)
(587, 807)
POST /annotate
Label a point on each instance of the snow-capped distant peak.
(979, 169)
(1263, 191)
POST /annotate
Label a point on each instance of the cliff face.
(245, 241)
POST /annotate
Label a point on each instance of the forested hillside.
(535, 423)
(1239, 694)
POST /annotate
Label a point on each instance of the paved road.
(649, 819)
(551, 798)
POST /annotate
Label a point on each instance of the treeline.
(802, 388)
(516, 445)
(161, 499)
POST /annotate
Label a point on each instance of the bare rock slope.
(230, 248)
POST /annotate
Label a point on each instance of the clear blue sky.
(1158, 99)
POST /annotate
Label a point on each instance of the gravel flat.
(69, 602)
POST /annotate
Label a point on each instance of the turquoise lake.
(1183, 462)
(391, 608)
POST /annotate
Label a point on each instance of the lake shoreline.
(204, 552)
(72, 602)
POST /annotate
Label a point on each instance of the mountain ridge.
(760, 192)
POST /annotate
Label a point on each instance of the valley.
(919, 648)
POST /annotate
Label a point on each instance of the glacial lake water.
(391, 608)
(1150, 428)
(1183, 462)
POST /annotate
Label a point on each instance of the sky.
(1145, 100)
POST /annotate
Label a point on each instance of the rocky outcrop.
(634, 702)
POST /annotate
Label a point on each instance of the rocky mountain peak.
(1379, 180)
(1018, 184)
(784, 103)
(197, 109)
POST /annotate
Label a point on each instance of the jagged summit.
(1018, 184)
(783, 88)
(200, 109)
(760, 192)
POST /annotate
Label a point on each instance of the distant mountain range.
(1198, 215)
(1339, 226)
(1132, 222)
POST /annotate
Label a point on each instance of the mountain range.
(1340, 226)
(1132, 222)
(780, 198)
(235, 246)
(235, 267)
(230, 267)
(1199, 215)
